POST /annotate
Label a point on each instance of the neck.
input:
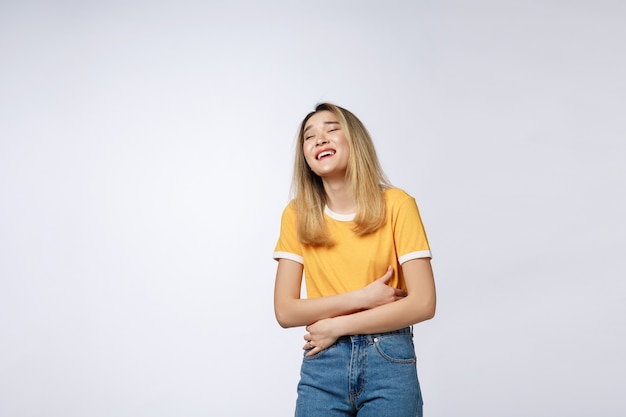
(339, 197)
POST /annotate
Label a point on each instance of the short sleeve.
(409, 234)
(288, 245)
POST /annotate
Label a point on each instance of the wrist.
(339, 326)
(360, 300)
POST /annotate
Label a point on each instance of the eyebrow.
(326, 123)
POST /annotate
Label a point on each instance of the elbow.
(283, 319)
(430, 313)
(426, 311)
(430, 310)
(285, 313)
(282, 323)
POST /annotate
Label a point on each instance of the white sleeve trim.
(415, 255)
(290, 256)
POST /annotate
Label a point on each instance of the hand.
(321, 335)
(379, 292)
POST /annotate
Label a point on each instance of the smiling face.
(324, 145)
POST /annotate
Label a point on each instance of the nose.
(321, 140)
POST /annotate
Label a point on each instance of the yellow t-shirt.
(356, 261)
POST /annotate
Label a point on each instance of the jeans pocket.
(396, 348)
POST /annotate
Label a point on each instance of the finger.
(314, 351)
(385, 278)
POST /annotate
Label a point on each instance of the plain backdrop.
(145, 158)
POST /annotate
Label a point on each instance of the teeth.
(325, 153)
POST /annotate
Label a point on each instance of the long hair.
(364, 173)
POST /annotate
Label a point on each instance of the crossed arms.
(376, 308)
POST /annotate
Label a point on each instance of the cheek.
(346, 150)
(307, 159)
(307, 154)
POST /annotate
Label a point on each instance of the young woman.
(361, 247)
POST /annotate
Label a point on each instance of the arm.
(419, 305)
(292, 311)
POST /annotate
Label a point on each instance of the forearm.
(388, 317)
(294, 312)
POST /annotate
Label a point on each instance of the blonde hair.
(364, 174)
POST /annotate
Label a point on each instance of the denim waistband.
(370, 337)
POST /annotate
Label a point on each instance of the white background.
(145, 158)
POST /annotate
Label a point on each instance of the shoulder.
(395, 196)
(291, 205)
(399, 203)
(289, 212)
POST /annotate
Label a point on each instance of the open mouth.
(325, 154)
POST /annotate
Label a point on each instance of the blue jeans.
(365, 375)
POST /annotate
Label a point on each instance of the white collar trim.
(338, 216)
